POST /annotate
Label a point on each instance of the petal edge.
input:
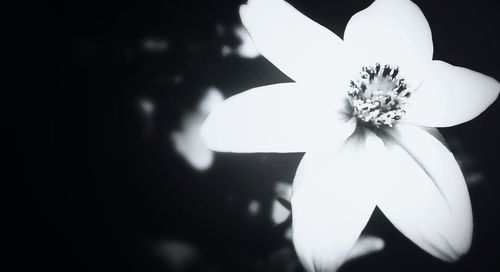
(451, 95)
(301, 48)
(275, 118)
(425, 196)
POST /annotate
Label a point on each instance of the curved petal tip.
(426, 197)
(451, 95)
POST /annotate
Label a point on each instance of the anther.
(379, 94)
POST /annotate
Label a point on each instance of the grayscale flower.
(357, 109)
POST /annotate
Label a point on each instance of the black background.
(97, 191)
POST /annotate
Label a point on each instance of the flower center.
(379, 95)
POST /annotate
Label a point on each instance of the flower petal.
(298, 46)
(332, 202)
(392, 32)
(424, 194)
(451, 95)
(366, 245)
(276, 118)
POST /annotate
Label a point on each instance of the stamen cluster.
(378, 96)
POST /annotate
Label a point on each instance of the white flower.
(356, 108)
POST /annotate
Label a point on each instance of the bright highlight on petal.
(332, 202)
(425, 195)
(275, 118)
(451, 95)
(366, 245)
(298, 46)
(392, 32)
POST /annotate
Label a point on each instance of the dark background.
(99, 189)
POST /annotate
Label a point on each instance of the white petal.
(276, 118)
(298, 46)
(366, 245)
(424, 194)
(331, 203)
(451, 95)
(392, 32)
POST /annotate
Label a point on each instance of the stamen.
(379, 95)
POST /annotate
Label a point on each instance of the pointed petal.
(435, 132)
(331, 203)
(424, 194)
(275, 118)
(451, 95)
(366, 245)
(392, 32)
(298, 46)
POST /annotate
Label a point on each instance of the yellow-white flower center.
(379, 95)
